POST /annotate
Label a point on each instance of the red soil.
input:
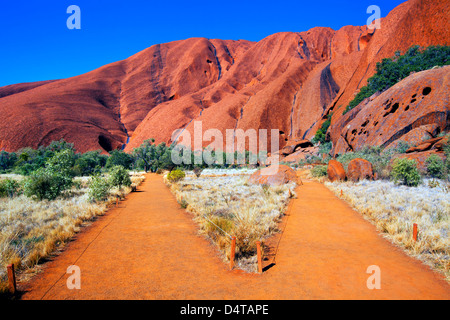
(149, 249)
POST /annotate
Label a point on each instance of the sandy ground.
(149, 248)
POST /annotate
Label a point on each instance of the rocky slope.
(289, 81)
(413, 110)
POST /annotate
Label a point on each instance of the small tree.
(405, 171)
(99, 188)
(43, 184)
(119, 158)
(119, 177)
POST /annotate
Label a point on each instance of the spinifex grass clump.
(225, 205)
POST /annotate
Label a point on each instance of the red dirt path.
(149, 248)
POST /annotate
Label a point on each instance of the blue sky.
(35, 43)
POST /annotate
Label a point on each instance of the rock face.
(290, 81)
(419, 103)
(359, 169)
(335, 171)
(416, 22)
(274, 176)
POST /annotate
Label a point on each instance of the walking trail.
(149, 248)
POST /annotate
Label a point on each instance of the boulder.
(296, 145)
(335, 171)
(274, 176)
(416, 136)
(359, 169)
(301, 154)
(425, 145)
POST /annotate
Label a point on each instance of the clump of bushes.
(99, 188)
(405, 171)
(43, 184)
(435, 166)
(51, 180)
(321, 134)
(392, 70)
(319, 171)
(119, 177)
(9, 188)
(176, 175)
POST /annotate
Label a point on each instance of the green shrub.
(326, 147)
(321, 134)
(176, 175)
(99, 188)
(392, 70)
(446, 148)
(435, 166)
(61, 163)
(319, 171)
(9, 188)
(89, 163)
(119, 177)
(402, 146)
(7, 161)
(43, 184)
(405, 171)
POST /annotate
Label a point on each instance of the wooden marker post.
(11, 279)
(258, 252)
(415, 231)
(232, 252)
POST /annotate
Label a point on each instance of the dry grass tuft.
(394, 209)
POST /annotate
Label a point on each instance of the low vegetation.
(403, 195)
(224, 204)
(319, 171)
(321, 133)
(394, 208)
(34, 230)
(406, 172)
(44, 200)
